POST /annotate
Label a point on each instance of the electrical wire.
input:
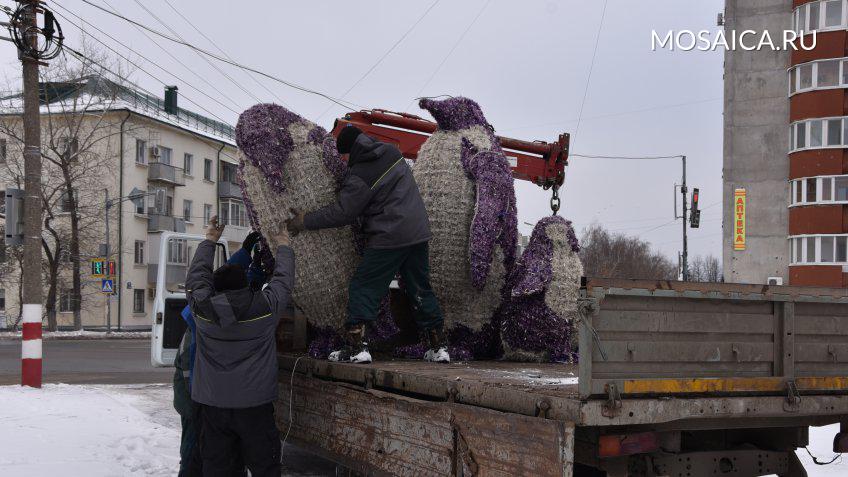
(450, 52)
(128, 60)
(589, 156)
(291, 407)
(213, 65)
(380, 60)
(228, 61)
(591, 68)
(818, 462)
(221, 50)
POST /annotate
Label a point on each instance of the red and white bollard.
(31, 346)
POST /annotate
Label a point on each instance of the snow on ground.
(88, 430)
(81, 335)
(821, 446)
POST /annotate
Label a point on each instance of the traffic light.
(14, 216)
(695, 218)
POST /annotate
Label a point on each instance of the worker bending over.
(380, 189)
(235, 369)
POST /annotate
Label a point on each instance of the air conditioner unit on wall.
(154, 151)
(775, 281)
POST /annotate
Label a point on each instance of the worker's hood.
(365, 149)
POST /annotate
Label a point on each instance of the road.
(87, 362)
(122, 362)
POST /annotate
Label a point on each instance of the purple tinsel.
(526, 322)
(262, 135)
(495, 218)
(454, 114)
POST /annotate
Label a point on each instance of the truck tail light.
(628, 444)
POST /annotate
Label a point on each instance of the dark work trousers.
(229, 437)
(371, 280)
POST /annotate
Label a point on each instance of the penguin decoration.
(538, 322)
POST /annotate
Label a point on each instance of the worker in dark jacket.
(235, 369)
(189, 411)
(379, 189)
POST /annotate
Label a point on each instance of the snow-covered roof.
(94, 93)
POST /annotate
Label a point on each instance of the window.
(842, 249)
(65, 301)
(815, 133)
(187, 210)
(793, 78)
(177, 252)
(814, 14)
(139, 204)
(801, 136)
(207, 213)
(841, 188)
(806, 76)
(833, 13)
(834, 132)
(826, 249)
(828, 74)
(69, 148)
(207, 169)
(188, 160)
(811, 190)
(234, 213)
(798, 192)
(66, 202)
(165, 155)
(140, 150)
(138, 300)
(798, 250)
(2, 249)
(827, 189)
(2, 300)
(2, 151)
(228, 172)
(811, 249)
(139, 252)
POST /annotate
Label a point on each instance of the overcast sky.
(526, 63)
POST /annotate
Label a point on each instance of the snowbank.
(82, 335)
(88, 430)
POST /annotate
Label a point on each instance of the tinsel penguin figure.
(467, 186)
(289, 162)
(538, 320)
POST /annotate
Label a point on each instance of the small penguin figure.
(289, 162)
(467, 186)
(537, 323)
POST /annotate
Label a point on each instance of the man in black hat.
(379, 189)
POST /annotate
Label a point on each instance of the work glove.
(295, 224)
(250, 241)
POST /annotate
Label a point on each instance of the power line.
(198, 30)
(214, 66)
(140, 55)
(380, 60)
(228, 61)
(591, 68)
(450, 52)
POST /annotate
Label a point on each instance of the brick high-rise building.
(786, 145)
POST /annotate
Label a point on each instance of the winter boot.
(438, 346)
(355, 349)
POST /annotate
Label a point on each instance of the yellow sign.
(739, 225)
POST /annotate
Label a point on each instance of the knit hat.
(346, 138)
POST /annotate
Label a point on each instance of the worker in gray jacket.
(380, 191)
(235, 368)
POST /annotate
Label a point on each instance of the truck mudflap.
(379, 433)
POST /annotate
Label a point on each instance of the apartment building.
(163, 167)
(786, 146)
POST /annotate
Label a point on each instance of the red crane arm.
(539, 162)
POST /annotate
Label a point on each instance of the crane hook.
(555, 202)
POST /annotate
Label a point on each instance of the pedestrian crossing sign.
(106, 286)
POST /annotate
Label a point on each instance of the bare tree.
(705, 269)
(78, 129)
(618, 256)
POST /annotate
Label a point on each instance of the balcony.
(160, 172)
(164, 223)
(229, 190)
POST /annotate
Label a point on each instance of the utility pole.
(108, 295)
(683, 191)
(32, 291)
